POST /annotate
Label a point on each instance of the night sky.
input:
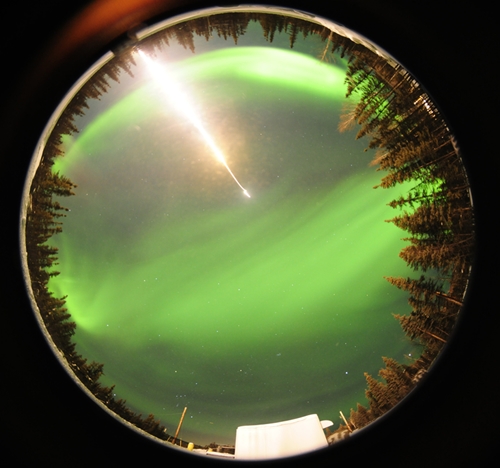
(245, 310)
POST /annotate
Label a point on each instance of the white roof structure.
(281, 439)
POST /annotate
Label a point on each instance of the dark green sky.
(246, 310)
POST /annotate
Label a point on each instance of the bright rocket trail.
(175, 95)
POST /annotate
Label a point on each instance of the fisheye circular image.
(247, 232)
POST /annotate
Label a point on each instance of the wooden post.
(180, 424)
(346, 423)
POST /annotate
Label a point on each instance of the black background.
(449, 421)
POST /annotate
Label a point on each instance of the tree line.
(413, 144)
(43, 220)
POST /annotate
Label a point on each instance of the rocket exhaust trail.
(174, 94)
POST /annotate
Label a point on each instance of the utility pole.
(180, 424)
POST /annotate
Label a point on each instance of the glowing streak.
(175, 96)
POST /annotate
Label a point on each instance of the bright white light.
(174, 94)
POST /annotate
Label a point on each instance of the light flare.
(180, 101)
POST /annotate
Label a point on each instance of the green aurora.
(246, 311)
